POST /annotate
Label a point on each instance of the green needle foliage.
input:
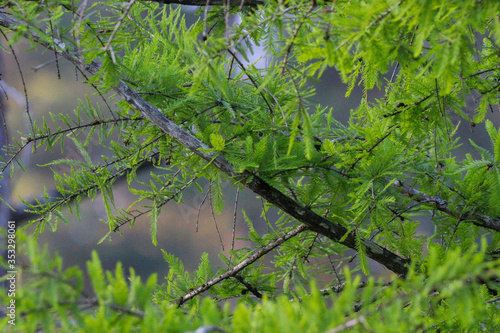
(190, 102)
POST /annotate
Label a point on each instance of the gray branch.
(245, 263)
(441, 205)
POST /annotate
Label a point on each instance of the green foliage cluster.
(375, 178)
(53, 299)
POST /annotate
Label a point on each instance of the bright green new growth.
(373, 180)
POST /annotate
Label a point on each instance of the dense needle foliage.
(189, 101)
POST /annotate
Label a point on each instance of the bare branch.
(441, 205)
(245, 263)
(22, 80)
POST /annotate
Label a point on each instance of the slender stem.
(245, 263)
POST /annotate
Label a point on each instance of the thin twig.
(58, 133)
(379, 141)
(45, 64)
(205, 13)
(199, 210)
(79, 13)
(163, 203)
(118, 24)
(213, 216)
(484, 71)
(54, 37)
(295, 33)
(493, 300)
(233, 235)
(251, 79)
(309, 249)
(22, 80)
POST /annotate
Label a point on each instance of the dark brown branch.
(379, 141)
(441, 205)
(249, 287)
(484, 71)
(333, 230)
(337, 289)
(252, 80)
(94, 303)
